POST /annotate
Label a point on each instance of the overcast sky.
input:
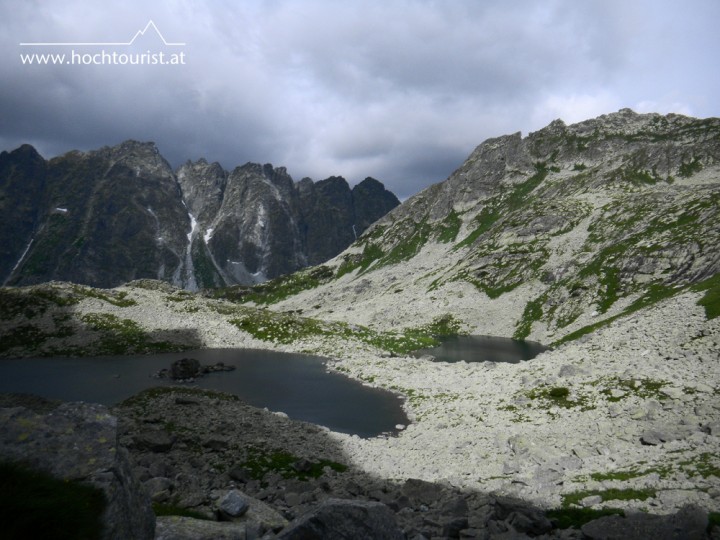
(400, 90)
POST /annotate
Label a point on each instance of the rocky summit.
(109, 216)
(598, 239)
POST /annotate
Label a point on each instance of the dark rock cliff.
(109, 216)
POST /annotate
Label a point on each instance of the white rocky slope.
(541, 236)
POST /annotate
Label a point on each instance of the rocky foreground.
(216, 468)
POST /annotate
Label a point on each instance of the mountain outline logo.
(138, 34)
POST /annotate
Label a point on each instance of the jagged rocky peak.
(22, 204)
(203, 186)
(22, 153)
(142, 157)
(255, 172)
(622, 147)
(256, 235)
(97, 215)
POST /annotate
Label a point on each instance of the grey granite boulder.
(78, 441)
(690, 523)
(233, 504)
(346, 519)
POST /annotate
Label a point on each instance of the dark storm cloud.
(400, 90)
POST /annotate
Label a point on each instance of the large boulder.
(690, 523)
(346, 519)
(185, 368)
(78, 442)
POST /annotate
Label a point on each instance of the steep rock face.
(120, 213)
(22, 183)
(105, 217)
(203, 186)
(255, 234)
(370, 202)
(328, 218)
(552, 233)
(255, 223)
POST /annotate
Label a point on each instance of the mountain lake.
(296, 384)
(483, 349)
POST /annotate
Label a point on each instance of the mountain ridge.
(118, 213)
(552, 232)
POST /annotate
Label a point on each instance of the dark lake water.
(295, 384)
(483, 348)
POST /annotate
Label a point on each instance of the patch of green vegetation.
(259, 463)
(277, 327)
(503, 205)
(704, 465)
(688, 169)
(409, 245)
(711, 300)
(371, 253)
(34, 504)
(517, 412)
(179, 297)
(579, 167)
(290, 327)
(613, 494)
(116, 298)
(277, 289)
(713, 520)
(511, 267)
(558, 396)
(629, 474)
(449, 227)
(26, 336)
(606, 273)
(654, 293)
(410, 339)
(637, 176)
(123, 336)
(484, 222)
(533, 312)
(441, 326)
(164, 509)
(32, 302)
(60, 298)
(566, 518)
(643, 388)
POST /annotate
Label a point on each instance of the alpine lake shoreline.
(623, 419)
